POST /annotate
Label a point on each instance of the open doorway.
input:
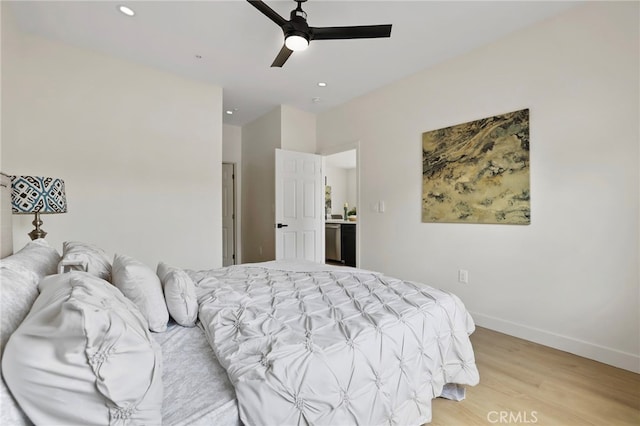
(341, 207)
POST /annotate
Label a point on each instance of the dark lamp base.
(38, 232)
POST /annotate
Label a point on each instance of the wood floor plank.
(524, 383)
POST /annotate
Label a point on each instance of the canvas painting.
(327, 199)
(478, 172)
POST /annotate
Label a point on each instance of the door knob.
(280, 225)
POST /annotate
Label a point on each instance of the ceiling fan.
(298, 34)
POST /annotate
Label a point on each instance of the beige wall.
(139, 150)
(570, 279)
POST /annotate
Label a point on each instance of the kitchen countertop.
(340, 221)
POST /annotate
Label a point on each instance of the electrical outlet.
(463, 276)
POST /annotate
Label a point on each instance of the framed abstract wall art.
(478, 172)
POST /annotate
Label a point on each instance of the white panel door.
(299, 206)
(228, 215)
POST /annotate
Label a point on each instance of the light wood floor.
(526, 383)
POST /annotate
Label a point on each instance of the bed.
(88, 338)
(305, 343)
(51, 374)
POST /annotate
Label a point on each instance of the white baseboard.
(592, 351)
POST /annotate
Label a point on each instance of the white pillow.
(179, 293)
(141, 285)
(93, 259)
(17, 295)
(20, 274)
(19, 277)
(84, 355)
(37, 257)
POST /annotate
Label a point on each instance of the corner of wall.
(259, 140)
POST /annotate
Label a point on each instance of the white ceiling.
(238, 44)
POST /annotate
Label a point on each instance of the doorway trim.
(234, 211)
(335, 149)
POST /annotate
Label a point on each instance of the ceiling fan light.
(295, 42)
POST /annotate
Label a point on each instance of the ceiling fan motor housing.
(297, 24)
(298, 34)
(297, 27)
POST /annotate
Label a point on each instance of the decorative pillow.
(36, 259)
(179, 293)
(84, 355)
(141, 285)
(18, 293)
(19, 277)
(93, 259)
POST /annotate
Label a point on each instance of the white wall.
(260, 139)
(8, 48)
(337, 180)
(283, 127)
(231, 143)
(570, 279)
(232, 153)
(298, 130)
(343, 188)
(352, 188)
(139, 150)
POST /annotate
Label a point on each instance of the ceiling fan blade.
(282, 57)
(268, 12)
(341, 33)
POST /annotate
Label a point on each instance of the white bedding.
(197, 391)
(334, 345)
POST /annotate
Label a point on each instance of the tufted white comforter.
(313, 344)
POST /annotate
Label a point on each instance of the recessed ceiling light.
(322, 84)
(126, 10)
(229, 112)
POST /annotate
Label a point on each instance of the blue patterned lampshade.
(39, 195)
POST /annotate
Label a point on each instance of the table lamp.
(39, 195)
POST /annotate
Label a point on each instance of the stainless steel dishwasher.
(332, 242)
